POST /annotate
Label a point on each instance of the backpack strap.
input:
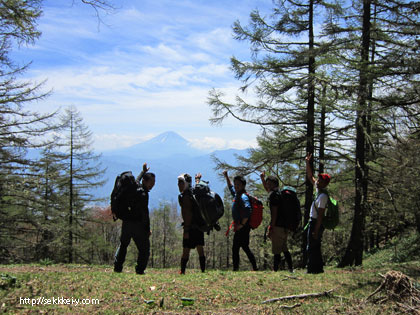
(230, 227)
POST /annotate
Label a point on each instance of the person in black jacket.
(277, 230)
(136, 225)
(192, 236)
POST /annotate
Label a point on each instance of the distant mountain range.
(162, 146)
(168, 155)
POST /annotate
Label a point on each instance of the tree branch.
(299, 296)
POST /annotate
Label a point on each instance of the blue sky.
(146, 70)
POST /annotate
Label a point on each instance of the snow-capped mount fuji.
(162, 146)
(167, 155)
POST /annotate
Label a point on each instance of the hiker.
(136, 225)
(192, 236)
(278, 229)
(241, 212)
(315, 263)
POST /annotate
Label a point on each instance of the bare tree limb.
(299, 296)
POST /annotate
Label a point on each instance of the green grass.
(214, 292)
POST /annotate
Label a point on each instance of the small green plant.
(406, 248)
(46, 262)
(7, 281)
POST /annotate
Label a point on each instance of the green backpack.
(331, 214)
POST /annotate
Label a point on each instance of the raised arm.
(228, 182)
(198, 178)
(309, 172)
(262, 176)
(143, 171)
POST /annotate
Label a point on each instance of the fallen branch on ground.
(288, 307)
(291, 277)
(399, 288)
(299, 296)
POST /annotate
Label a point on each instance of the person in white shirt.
(315, 263)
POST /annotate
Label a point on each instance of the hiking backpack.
(209, 206)
(257, 211)
(256, 217)
(290, 206)
(123, 195)
(331, 214)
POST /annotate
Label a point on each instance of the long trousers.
(136, 231)
(241, 240)
(315, 263)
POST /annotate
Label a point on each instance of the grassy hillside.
(220, 292)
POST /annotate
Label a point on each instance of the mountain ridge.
(169, 143)
(168, 155)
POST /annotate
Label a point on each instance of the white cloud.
(208, 143)
(166, 52)
(86, 81)
(149, 69)
(112, 141)
(217, 143)
(215, 40)
(243, 144)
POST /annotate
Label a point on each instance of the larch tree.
(377, 46)
(81, 171)
(22, 129)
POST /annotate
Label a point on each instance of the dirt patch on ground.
(54, 268)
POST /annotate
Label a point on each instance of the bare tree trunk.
(322, 130)
(354, 251)
(70, 240)
(164, 238)
(310, 133)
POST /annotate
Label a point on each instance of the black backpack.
(123, 195)
(291, 208)
(209, 206)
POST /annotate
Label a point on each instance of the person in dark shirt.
(192, 236)
(136, 225)
(277, 231)
(241, 212)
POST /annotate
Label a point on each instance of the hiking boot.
(184, 262)
(117, 268)
(276, 262)
(202, 263)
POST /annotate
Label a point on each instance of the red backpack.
(257, 212)
(256, 217)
